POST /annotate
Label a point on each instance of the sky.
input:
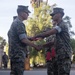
(8, 10)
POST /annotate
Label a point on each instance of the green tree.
(2, 42)
(39, 20)
(67, 19)
(73, 44)
(36, 24)
(36, 2)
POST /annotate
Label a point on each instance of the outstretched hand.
(34, 39)
(39, 47)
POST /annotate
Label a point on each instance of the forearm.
(48, 44)
(46, 34)
(26, 41)
(29, 38)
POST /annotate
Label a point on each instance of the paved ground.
(73, 65)
(32, 72)
(36, 71)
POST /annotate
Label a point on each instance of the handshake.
(34, 38)
(40, 47)
(37, 47)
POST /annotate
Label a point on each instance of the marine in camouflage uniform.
(5, 60)
(63, 48)
(18, 41)
(16, 51)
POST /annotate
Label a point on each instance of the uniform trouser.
(59, 67)
(5, 65)
(64, 66)
(52, 67)
(17, 68)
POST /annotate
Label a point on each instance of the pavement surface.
(32, 72)
(38, 69)
(73, 66)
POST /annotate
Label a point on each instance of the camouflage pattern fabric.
(52, 68)
(17, 50)
(49, 39)
(61, 64)
(51, 64)
(63, 50)
(17, 68)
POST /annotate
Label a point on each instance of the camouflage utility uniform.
(16, 47)
(63, 49)
(5, 60)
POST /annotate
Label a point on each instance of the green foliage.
(73, 44)
(2, 42)
(73, 48)
(74, 58)
(67, 19)
(33, 52)
(1, 39)
(6, 48)
(39, 20)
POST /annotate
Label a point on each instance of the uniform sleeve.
(22, 36)
(21, 31)
(64, 27)
(58, 28)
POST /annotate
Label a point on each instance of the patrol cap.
(22, 8)
(57, 10)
